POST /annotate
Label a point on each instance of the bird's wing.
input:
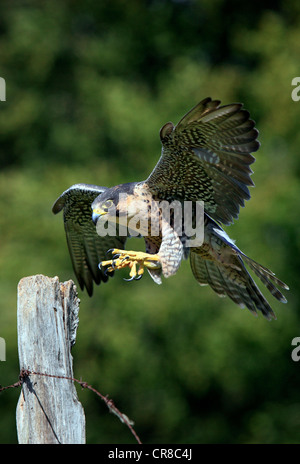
(86, 247)
(207, 156)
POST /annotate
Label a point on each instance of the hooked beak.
(96, 214)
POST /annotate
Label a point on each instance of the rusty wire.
(25, 373)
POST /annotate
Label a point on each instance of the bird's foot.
(135, 260)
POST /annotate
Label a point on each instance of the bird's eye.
(107, 204)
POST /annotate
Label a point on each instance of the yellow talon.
(136, 260)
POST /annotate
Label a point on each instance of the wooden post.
(48, 409)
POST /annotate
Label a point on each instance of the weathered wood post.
(48, 409)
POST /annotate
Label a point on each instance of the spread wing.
(86, 247)
(207, 156)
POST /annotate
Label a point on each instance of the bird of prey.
(205, 158)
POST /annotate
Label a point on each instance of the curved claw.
(113, 265)
(129, 280)
(105, 272)
(101, 267)
(108, 251)
(136, 277)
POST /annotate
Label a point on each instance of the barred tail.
(235, 281)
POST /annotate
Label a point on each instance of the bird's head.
(115, 203)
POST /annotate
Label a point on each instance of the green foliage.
(89, 84)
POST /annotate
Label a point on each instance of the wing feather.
(86, 247)
(207, 156)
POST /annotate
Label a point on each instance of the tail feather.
(235, 292)
(265, 275)
(212, 278)
(235, 281)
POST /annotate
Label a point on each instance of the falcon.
(205, 160)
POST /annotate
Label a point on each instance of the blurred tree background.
(89, 84)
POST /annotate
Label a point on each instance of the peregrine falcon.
(205, 159)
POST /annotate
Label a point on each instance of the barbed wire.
(25, 373)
